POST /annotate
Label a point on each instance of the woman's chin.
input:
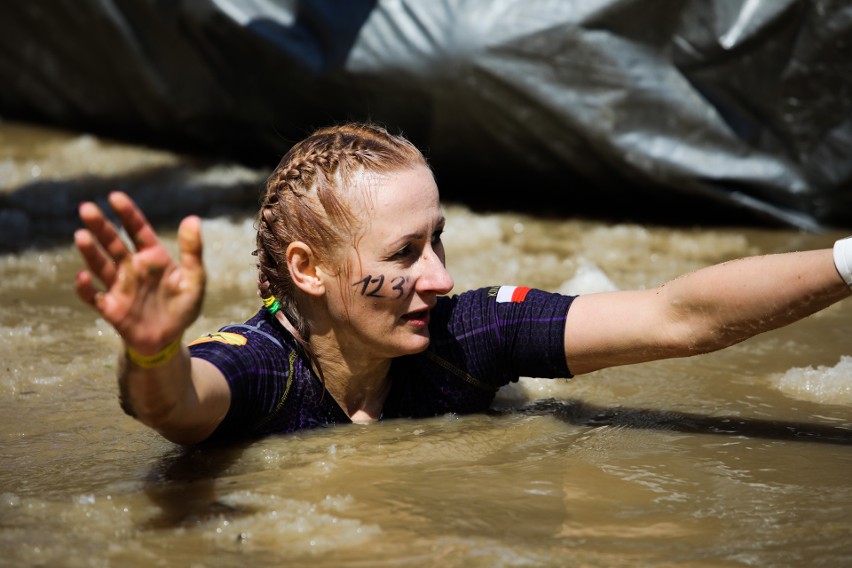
(415, 345)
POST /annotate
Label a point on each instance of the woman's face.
(396, 272)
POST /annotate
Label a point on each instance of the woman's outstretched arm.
(702, 311)
(150, 301)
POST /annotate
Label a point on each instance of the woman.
(357, 323)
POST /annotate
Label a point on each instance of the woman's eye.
(436, 236)
(403, 252)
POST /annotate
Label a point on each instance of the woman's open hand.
(148, 298)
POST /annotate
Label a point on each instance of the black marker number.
(397, 285)
(370, 286)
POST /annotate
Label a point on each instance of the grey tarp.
(681, 107)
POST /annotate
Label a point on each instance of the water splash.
(822, 384)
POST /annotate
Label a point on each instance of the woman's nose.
(434, 277)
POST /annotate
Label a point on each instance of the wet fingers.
(98, 262)
(85, 289)
(104, 232)
(189, 243)
(133, 220)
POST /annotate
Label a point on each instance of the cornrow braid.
(309, 198)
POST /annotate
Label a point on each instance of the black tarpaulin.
(739, 107)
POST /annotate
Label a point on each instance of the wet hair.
(310, 197)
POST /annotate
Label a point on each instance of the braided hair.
(309, 198)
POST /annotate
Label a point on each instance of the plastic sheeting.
(735, 107)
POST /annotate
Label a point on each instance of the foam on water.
(587, 279)
(228, 244)
(303, 527)
(822, 384)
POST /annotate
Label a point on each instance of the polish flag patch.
(512, 293)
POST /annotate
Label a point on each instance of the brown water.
(739, 458)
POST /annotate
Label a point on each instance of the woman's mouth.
(417, 318)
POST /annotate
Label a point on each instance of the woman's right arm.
(150, 301)
(703, 311)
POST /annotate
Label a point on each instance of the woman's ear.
(304, 270)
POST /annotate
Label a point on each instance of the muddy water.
(739, 458)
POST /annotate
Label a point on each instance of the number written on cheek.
(372, 286)
(398, 284)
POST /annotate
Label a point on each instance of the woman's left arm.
(702, 311)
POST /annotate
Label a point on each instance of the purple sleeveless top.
(480, 340)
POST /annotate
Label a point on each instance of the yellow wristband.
(160, 358)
